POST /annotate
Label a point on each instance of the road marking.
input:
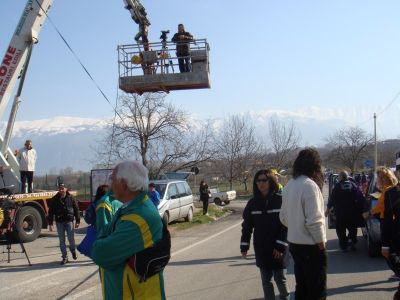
(36, 278)
(83, 293)
(205, 240)
(93, 288)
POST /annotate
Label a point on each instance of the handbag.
(85, 247)
(154, 259)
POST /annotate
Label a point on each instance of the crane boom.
(26, 34)
(15, 63)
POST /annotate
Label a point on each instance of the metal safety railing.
(161, 58)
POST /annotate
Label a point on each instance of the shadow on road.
(353, 261)
(232, 259)
(362, 287)
(78, 285)
(42, 266)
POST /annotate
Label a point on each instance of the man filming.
(182, 39)
(64, 210)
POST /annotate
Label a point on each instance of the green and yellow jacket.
(106, 208)
(135, 227)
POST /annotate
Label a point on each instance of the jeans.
(310, 265)
(205, 206)
(280, 280)
(68, 227)
(341, 225)
(26, 179)
(184, 64)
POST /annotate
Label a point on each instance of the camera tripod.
(166, 60)
(9, 250)
(9, 207)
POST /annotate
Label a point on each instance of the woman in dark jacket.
(262, 215)
(204, 195)
(390, 228)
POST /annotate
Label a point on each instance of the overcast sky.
(329, 60)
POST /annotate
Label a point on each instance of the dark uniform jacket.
(182, 45)
(344, 199)
(204, 193)
(63, 209)
(262, 216)
(390, 226)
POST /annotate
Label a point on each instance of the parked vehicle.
(372, 229)
(25, 215)
(176, 200)
(218, 197)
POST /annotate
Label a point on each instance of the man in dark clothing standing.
(204, 196)
(64, 209)
(182, 39)
(344, 201)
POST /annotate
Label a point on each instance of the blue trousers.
(280, 280)
(62, 228)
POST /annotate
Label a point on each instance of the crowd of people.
(282, 220)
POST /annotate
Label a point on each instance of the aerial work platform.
(157, 69)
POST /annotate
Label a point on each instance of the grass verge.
(214, 213)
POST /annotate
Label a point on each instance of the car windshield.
(161, 189)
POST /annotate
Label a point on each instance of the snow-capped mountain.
(60, 142)
(70, 142)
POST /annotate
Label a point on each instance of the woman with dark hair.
(204, 196)
(303, 215)
(262, 215)
(100, 192)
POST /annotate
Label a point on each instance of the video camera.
(164, 35)
(7, 205)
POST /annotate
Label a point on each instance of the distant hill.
(60, 142)
(68, 141)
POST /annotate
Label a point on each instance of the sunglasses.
(262, 180)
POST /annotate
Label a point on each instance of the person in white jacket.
(27, 160)
(302, 213)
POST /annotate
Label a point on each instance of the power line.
(81, 63)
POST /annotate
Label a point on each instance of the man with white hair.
(136, 225)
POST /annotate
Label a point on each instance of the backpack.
(154, 259)
(90, 214)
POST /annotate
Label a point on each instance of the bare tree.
(146, 119)
(236, 143)
(157, 133)
(284, 140)
(190, 148)
(349, 146)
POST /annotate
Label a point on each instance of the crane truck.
(29, 214)
(24, 215)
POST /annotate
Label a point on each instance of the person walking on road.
(136, 226)
(344, 201)
(261, 214)
(204, 196)
(303, 214)
(64, 210)
(27, 161)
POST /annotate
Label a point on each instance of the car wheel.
(165, 218)
(189, 217)
(374, 249)
(217, 201)
(28, 225)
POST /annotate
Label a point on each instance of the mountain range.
(63, 142)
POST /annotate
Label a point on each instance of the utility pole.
(376, 146)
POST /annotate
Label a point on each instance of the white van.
(176, 200)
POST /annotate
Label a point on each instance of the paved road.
(206, 264)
